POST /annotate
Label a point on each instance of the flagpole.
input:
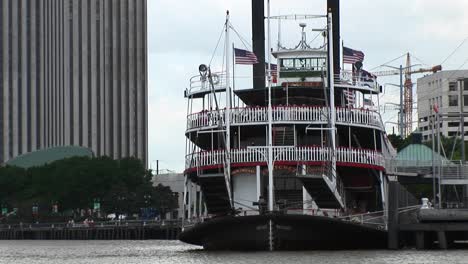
(331, 85)
(342, 55)
(233, 72)
(228, 114)
(270, 132)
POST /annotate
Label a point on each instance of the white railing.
(202, 84)
(284, 114)
(285, 154)
(349, 78)
(450, 169)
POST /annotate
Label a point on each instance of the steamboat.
(296, 162)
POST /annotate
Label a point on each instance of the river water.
(174, 252)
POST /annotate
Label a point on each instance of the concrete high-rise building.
(73, 72)
(444, 91)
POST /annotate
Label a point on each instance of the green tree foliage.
(398, 143)
(450, 146)
(122, 186)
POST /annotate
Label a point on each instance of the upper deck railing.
(348, 79)
(303, 154)
(199, 84)
(357, 81)
(286, 114)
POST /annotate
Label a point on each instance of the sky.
(183, 34)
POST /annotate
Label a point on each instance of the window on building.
(465, 84)
(452, 133)
(465, 100)
(453, 124)
(453, 86)
(453, 100)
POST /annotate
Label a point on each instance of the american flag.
(352, 56)
(245, 57)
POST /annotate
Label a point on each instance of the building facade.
(73, 72)
(445, 92)
(176, 182)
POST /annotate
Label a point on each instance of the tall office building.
(73, 72)
(446, 92)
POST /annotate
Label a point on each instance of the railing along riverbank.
(128, 230)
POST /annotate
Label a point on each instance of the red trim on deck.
(293, 163)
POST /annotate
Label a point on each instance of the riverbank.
(130, 230)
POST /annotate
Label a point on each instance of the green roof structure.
(42, 157)
(418, 154)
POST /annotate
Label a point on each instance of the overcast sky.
(183, 34)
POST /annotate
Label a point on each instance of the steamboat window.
(309, 64)
(287, 64)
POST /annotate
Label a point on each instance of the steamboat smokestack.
(258, 42)
(334, 9)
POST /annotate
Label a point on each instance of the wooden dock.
(425, 228)
(137, 230)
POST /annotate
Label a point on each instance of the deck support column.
(419, 237)
(393, 240)
(189, 213)
(259, 187)
(442, 239)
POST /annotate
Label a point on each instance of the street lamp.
(146, 211)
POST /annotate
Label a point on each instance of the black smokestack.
(334, 8)
(258, 42)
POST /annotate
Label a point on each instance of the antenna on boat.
(331, 86)
(279, 33)
(270, 132)
(228, 115)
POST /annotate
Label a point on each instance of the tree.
(120, 185)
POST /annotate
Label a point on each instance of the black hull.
(290, 232)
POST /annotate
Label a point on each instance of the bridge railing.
(449, 169)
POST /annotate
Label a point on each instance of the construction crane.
(408, 91)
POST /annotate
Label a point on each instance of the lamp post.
(147, 199)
